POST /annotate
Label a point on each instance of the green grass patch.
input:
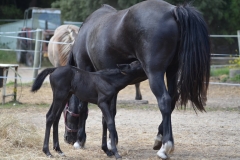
(14, 104)
(8, 57)
(219, 71)
(236, 78)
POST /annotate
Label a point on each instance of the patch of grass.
(8, 57)
(15, 105)
(236, 78)
(219, 71)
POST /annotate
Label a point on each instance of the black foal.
(95, 87)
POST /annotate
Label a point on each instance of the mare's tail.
(40, 78)
(194, 56)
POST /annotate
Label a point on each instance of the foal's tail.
(40, 78)
(194, 56)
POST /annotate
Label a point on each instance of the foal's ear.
(123, 67)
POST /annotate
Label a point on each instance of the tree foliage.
(222, 16)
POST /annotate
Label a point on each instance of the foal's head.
(133, 68)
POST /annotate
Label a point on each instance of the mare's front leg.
(158, 88)
(110, 125)
(81, 135)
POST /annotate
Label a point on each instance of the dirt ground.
(211, 135)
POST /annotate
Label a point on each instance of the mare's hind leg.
(138, 92)
(158, 87)
(171, 75)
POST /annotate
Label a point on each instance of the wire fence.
(7, 35)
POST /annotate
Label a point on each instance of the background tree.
(14, 9)
(78, 10)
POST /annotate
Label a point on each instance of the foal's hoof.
(50, 156)
(158, 142)
(109, 153)
(118, 157)
(61, 154)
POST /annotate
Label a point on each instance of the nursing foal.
(95, 87)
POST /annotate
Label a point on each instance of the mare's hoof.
(157, 145)
(77, 145)
(162, 155)
(165, 150)
(138, 98)
(158, 142)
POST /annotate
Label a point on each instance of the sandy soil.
(210, 135)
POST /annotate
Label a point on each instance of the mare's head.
(71, 119)
(134, 70)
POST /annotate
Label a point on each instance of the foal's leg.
(138, 92)
(111, 127)
(171, 75)
(56, 145)
(47, 132)
(104, 138)
(106, 146)
(50, 118)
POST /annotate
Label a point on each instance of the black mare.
(165, 39)
(95, 87)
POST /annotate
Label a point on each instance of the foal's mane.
(109, 71)
(105, 71)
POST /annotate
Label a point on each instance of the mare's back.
(109, 37)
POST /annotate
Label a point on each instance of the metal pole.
(238, 33)
(37, 53)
